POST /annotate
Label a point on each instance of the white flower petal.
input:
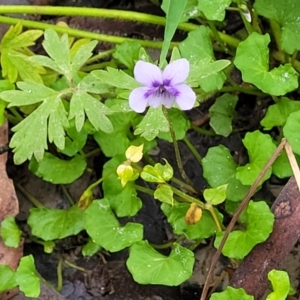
(169, 101)
(137, 100)
(176, 72)
(147, 74)
(155, 100)
(186, 97)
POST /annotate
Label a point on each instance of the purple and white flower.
(162, 87)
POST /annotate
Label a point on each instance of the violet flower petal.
(186, 97)
(155, 100)
(147, 74)
(176, 72)
(168, 102)
(137, 100)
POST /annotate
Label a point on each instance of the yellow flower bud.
(134, 153)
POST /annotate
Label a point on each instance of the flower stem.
(144, 189)
(32, 199)
(81, 33)
(67, 194)
(183, 185)
(177, 181)
(188, 198)
(99, 56)
(59, 274)
(193, 150)
(104, 13)
(176, 148)
(202, 131)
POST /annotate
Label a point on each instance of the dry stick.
(293, 163)
(237, 214)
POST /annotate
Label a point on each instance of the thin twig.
(293, 163)
(237, 214)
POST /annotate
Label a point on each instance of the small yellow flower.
(125, 173)
(134, 153)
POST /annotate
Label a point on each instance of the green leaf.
(290, 131)
(174, 14)
(282, 167)
(221, 114)
(285, 13)
(74, 141)
(28, 278)
(204, 68)
(260, 148)
(152, 124)
(127, 53)
(219, 168)
(116, 78)
(258, 223)
(15, 54)
(159, 173)
(252, 58)
(148, 266)
(280, 284)
(197, 48)
(216, 195)
(50, 224)
(214, 9)
(190, 11)
(164, 194)
(7, 278)
(90, 248)
(231, 293)
(278, 113)
(123, 201)
(203, 229)
(56, 170)
(81, 56)
(105, 230)
(180, 124)
(10, 232)
(49, 117)
(83, 103)
(117, 142)
(58, 49)
(92, 85)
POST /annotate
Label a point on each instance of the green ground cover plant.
(126, 105)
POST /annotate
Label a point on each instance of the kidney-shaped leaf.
(252, 58)
(148, 266)
(50, 224)
(105, 230)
